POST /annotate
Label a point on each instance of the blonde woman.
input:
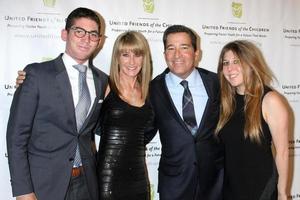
(125, 115)
(252, 117)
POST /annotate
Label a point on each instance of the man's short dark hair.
(82, 13)
(180, 29)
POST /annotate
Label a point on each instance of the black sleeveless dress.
(121, 157)
(250, 171)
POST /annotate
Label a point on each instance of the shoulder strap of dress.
(266, 90)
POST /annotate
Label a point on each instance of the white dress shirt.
(73, 77)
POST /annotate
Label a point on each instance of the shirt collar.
(69, 61)
(192, 78)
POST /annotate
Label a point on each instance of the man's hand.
(30, 196)
(21, 77)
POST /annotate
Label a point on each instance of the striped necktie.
(82, 107)
(188, 111)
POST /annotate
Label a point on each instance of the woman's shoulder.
(273, 97)
(274, 104)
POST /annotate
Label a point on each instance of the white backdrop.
(30, 32)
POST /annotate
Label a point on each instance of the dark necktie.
(188, 112)
(82, 107)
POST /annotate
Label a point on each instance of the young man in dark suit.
(52, 117)
(185, 100)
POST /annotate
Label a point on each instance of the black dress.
(250, 171)
(121, 158)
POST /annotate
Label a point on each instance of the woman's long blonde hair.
(137, 43)
(256, 76)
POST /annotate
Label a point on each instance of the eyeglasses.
(234, 62)
(80, 33)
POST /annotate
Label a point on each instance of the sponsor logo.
(148, 6)
(49, 3)
(237, 10)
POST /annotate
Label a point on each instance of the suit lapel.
(206, 82)
(167, 100)
(64, 86)
(99, 88)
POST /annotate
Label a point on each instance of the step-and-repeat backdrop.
(30, 32)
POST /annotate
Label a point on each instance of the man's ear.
(64, 34)
(99, 47)
(198, 57)
(100, 43)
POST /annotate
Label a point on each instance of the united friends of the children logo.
(148, 6)
(49, 3)
(237, 9)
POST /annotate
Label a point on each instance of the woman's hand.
(21, 77)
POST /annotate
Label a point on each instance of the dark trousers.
(78, 189)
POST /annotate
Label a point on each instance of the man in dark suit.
(191, 164)
(52, 117)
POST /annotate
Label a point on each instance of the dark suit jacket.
(42, 134)
(187, 161)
